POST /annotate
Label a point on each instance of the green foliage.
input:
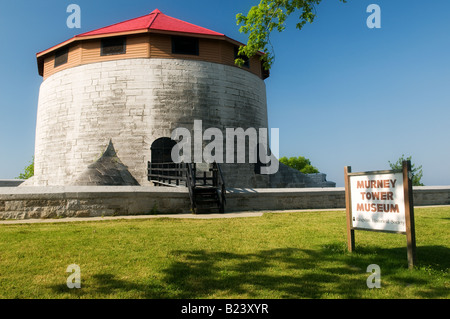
(300, 163)
(262, 19)
(28, 171)
(417, 171)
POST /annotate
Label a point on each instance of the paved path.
(189, 216)
(109, 218)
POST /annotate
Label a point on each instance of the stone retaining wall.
(11, 182)
(88, 201)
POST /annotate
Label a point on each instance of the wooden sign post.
(381, 201)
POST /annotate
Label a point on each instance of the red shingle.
(153, 21)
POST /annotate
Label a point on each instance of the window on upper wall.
(243, 57)
(185, 45)
(113, 46)
(265, 73)
(61, 57)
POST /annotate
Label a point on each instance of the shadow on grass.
(287, 273)
(276, 273)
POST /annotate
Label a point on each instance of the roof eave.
(88, 37)
(41, 55)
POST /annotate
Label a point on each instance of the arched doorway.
(162, 150)
(162, 170)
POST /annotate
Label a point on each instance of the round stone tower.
(130, 84)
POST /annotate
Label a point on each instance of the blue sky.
(340, 93)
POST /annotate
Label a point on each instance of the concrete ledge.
(98, 201)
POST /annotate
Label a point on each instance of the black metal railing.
(186, 175)
(190, 183)
(167, 174)
(219, 183)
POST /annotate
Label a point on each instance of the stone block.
(140, 97)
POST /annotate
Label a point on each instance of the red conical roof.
(153, 21)
(156, 21)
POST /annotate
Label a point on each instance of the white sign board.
(378, 202)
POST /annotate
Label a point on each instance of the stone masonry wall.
(93, 201)
(134, 102)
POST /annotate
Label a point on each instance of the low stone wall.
(431, 195)
(318, 198)
(90, 201)
(285, 198)
(11, 182)
(94, 201)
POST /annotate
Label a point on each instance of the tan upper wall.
(148, 46)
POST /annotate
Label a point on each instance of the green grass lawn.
(292, 255)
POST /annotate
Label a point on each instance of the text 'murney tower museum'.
(124, 88)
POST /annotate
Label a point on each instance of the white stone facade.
(134, 102)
